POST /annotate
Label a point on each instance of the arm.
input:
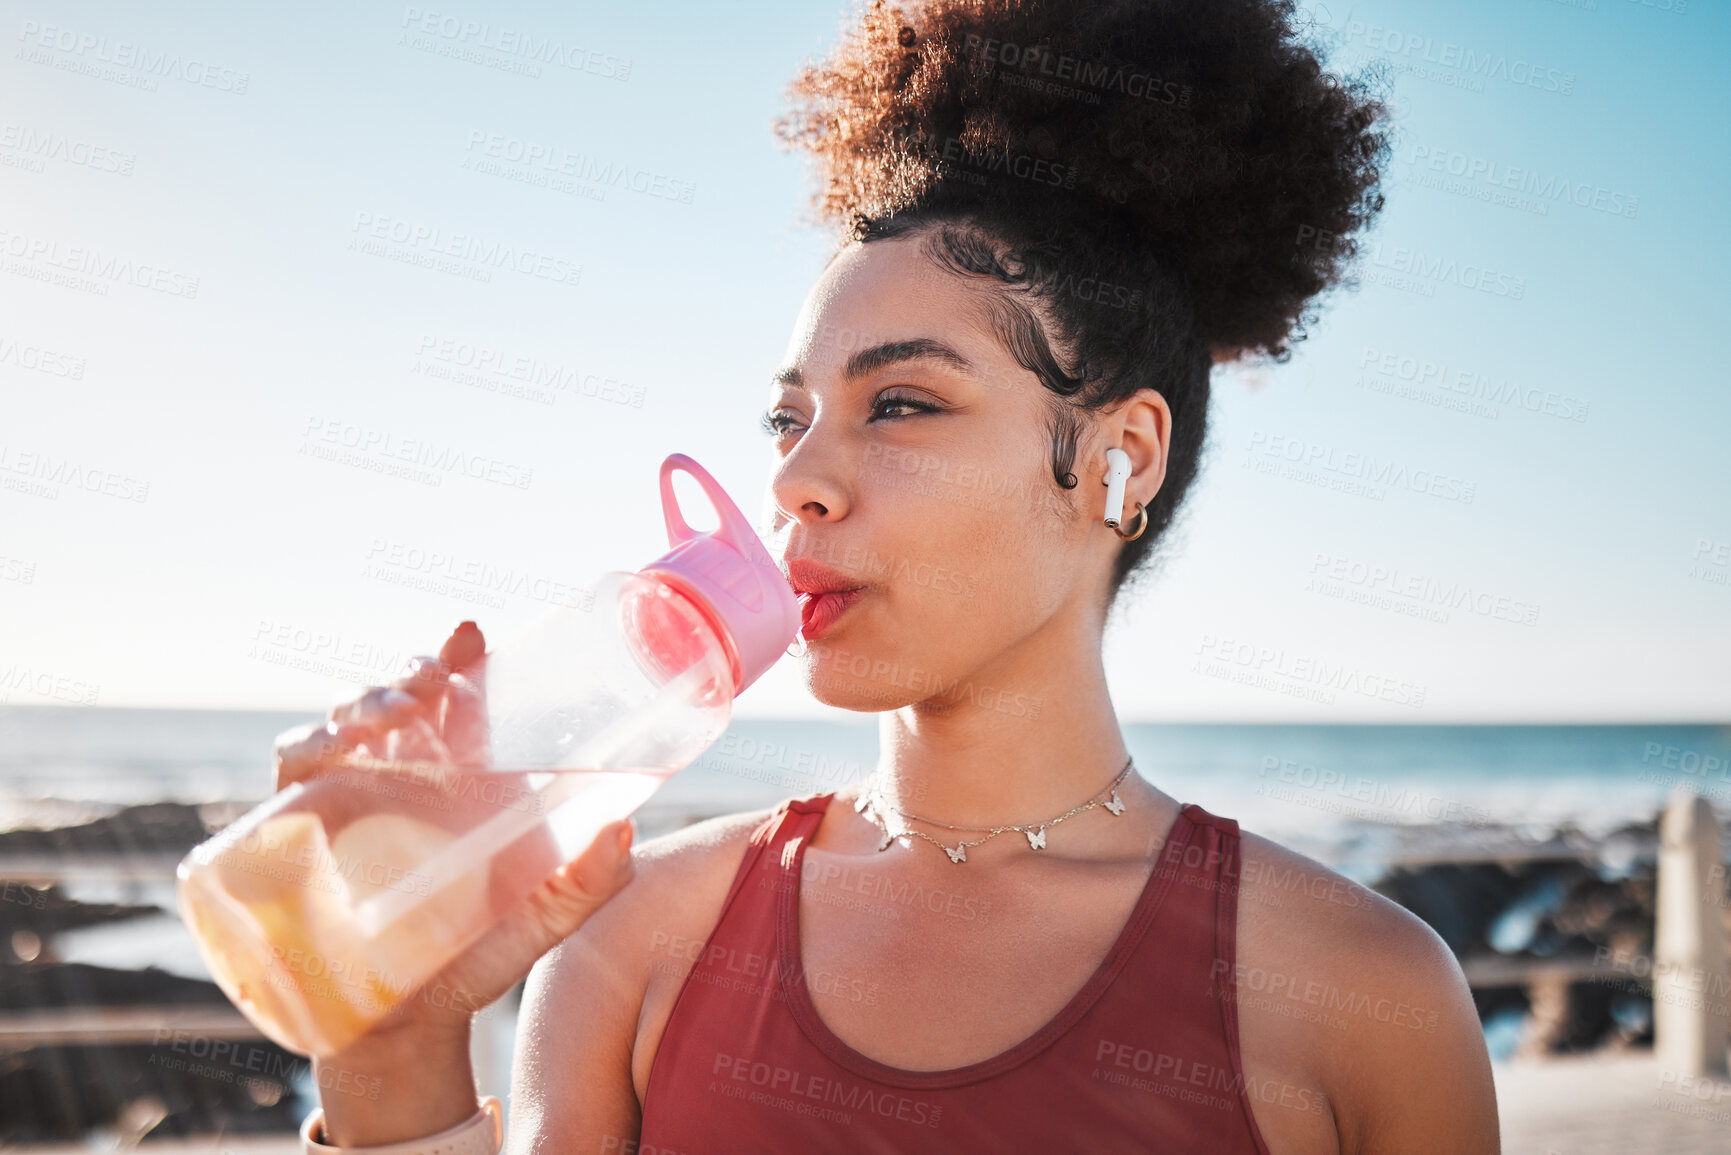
(1421, 1085)
(594, 1008)
(571, 1069)
(1358, 1002)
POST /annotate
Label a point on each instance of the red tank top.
(1144, 1058)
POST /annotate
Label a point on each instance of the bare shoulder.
(676, 892)
(1359, 995)
(589, 1002)
(1291, 899)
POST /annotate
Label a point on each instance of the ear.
(1224, 353)
(1142, 428)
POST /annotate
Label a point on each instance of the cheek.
(994, 567)
(970, 541)
(956, 586)
(1037, 563)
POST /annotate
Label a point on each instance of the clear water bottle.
(325, 906)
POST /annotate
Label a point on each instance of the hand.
(436, 713)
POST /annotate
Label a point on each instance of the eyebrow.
(881, 356)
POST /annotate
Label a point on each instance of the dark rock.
(46, 911)
(154, 829)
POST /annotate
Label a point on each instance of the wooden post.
(1691, 986)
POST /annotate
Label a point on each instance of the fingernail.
(394, 699)
(626, 832)
(424, 667)
(464, 646)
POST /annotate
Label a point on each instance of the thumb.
(580, 887)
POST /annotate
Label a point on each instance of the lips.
(818, 612)
(824, 594)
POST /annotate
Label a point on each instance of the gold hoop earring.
(1142, 524)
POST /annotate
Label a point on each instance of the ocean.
(1311, 783)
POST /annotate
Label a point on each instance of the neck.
(1023, 739)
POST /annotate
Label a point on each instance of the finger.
(380, 708)
(605, 867)
(465, 646)
(304, 750)
(416, 741)
(291, 754)
(465, 724)
(349, 745)
(403, 745)
(424, 678)
(579, 888)
(464, 707)
(464, 720)
(364, 725)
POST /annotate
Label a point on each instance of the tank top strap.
(1196, 814)
(794, 820)
(1223, 872)
(1201, 862)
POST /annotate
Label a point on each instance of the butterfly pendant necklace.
(874, 806)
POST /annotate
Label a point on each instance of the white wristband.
(483, 1133)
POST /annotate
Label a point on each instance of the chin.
(853, 678)
(862, 704)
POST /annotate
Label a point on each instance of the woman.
(1058, 217)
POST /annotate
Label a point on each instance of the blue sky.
(211, 545)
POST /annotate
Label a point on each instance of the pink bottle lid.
(729, 575)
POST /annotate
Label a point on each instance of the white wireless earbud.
(1117, 473)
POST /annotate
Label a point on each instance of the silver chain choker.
(873, 805)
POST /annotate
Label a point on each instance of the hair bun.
(1203, 131)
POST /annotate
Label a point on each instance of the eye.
(775, 422)
(902, 402)
(780, 422)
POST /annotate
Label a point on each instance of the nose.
(806, 487)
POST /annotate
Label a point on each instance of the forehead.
(890, 291)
